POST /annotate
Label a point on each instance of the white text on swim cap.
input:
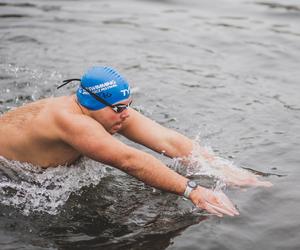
(125, 92)
(101, 87)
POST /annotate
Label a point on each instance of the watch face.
(192, 184)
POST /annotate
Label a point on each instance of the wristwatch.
(190, 186)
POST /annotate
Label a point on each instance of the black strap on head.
(98, 98)
(65, 82)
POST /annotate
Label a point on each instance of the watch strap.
(188, 191)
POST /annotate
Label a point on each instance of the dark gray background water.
(226, 69)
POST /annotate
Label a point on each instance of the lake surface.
(225, 72)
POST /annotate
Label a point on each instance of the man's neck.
(82, 109)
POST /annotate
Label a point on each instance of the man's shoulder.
(62, 107)
(71, 120)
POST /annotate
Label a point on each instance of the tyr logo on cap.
(125, 91)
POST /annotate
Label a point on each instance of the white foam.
(31, 188)
(203, 162)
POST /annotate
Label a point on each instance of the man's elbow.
(125, 161)
(129, 162)
(179, 145)
(134, 162)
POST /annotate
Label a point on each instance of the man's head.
(101, 87)
(105, 96)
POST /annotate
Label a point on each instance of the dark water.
(225, 70)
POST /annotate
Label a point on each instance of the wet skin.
(30, 133)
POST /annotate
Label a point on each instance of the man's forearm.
(178, 145)
(153, 172)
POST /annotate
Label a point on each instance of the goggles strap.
(65, 82)
(98, 98)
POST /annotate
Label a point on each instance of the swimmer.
(58, 131)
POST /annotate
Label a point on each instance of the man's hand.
(240, 177)
(230, 174)
(215, 202)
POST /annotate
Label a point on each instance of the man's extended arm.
(91, 139)
(173, 144)
(149, 133)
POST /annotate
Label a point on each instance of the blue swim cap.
(105, 82)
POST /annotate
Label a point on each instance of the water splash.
(202, 163)
(33, 189)
(34, 75)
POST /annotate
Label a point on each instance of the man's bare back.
(29, 133)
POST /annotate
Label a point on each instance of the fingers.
(209, 208)
(202, 204)
(249, 181)
(254, 181)
(216, 203)
(226, 203)
(242, 177)
(264, 184)
(223, 204)
(219, 210)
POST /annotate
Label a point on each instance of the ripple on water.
(279, 6)
(24, 39)
(13, 16)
